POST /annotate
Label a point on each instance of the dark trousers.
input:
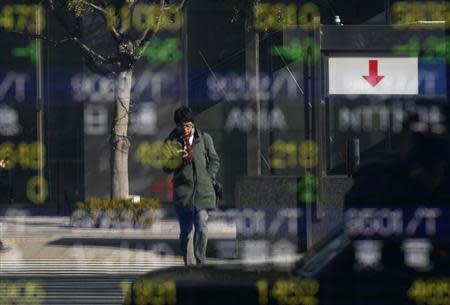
(193, 235)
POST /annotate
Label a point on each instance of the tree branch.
(89, 50)
(95, 7)
(54, 43)
(61, 21)
(148, 34)
(105, 15)
(74, 37)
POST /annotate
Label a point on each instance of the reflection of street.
(57, 264)
(52, 262)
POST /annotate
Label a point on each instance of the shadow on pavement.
(217, 248)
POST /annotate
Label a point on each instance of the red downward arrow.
(373, 78)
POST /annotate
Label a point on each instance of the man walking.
(190, 155)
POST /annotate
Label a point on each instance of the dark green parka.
(193, 182)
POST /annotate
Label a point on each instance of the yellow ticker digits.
(37, 190)
(26, 155)
(22, 18)
(21, 293)
(430, 291)
(146, 17)
(276, 16)
(288, 292)
(420, 14)
(287, 154)
(148, 292)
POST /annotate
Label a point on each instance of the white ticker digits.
(370, 118)
(251, 222)
(90, 87)
(226, 249)
(417, 254)
(284, 253)
(160, 86)
(14, 81)
(368, 254)
(289, 216)
(144, 120)
(255, 251)
(95, 120)
(246, 119)
(233, 87)
(427, 216)
(9, 121)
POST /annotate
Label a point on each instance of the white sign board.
(373, 75)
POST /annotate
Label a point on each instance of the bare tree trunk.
(119, 141)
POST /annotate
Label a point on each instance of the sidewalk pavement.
(63, 265)
(51, 244)
(34, 238)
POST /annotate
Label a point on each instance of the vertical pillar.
(253, 75)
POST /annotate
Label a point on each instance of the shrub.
(116, 213)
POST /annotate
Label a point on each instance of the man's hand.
(184, 152)
(2, 163)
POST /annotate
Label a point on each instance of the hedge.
(116, 213)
